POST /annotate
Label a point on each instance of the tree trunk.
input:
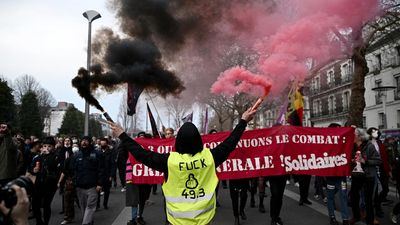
(357, 99)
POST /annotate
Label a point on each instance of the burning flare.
(239, 79)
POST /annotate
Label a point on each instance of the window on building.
(317, 84)
(398, 118)
(397, 90)
(397, 56)
(378, 94)
(364, 119)
(378, 62)
(314, 108)
(319, 107)
(381, 120)
(346, 100)
(345, 71)
(331, 105)
(331, 78)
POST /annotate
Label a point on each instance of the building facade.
(328, 94)
(330, 89)
(382, 86)
(56, 116)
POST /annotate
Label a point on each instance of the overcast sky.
(47, 39)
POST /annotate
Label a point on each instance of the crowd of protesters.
(84, 169)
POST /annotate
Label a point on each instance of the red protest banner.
(269, 152)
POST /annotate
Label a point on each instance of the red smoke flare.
(238, 79)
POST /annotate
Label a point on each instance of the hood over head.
(188, 139)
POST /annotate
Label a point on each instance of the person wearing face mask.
(64, 152)
(383, 171)
(45, 168)
(109, 171)
(365, 155)
(66, 178)
(88, 169)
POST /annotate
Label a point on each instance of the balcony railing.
(346, 79)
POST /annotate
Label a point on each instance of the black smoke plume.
(157, 30)
(82, 84)
(127, 61)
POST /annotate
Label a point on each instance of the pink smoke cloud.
(238, 79)
(294, 33)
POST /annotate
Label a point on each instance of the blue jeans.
(333, 185)
(134, 212)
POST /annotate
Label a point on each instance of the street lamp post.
(90, 15)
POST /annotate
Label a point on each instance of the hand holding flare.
(261, 99)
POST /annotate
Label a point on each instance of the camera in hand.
(7, 194)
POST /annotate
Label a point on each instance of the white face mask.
(375, 134)
(75, 149)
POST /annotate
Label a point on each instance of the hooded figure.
(189, 171)
(188, 140)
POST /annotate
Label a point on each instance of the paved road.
(292, 213)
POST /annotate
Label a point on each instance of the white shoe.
(296, 184)
(287, 182)
(66, 222)
(123, 189)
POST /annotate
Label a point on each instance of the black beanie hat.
(49, 140)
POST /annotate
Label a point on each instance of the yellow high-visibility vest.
(190, 189)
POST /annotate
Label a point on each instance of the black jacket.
(48, 168)
(189, 144)
(371, 156)
(61, 155)
(88, 168)
(109, 163)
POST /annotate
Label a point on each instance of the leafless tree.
(229, 108)
(123, 117)
(177, 109)
(26, 83)
(223, 114)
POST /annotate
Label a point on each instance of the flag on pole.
(205, 127)
(152, 123)
(132, 98)
(281, 119)
(188, 118)
(296, 110)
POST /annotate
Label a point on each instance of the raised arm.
(222, 151)
(151, 159)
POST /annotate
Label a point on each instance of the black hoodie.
(188, 141)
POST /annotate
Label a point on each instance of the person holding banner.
(366, 157)
(190, 175)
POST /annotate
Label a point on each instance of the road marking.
(123, 217)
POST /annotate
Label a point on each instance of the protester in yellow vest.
(190, 176)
